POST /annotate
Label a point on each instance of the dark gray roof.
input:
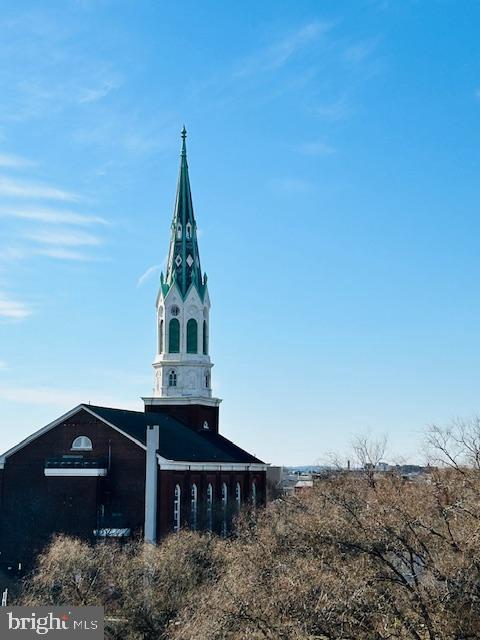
(177, 440)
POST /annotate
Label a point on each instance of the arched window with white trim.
(172, 378)
(254, 494)
(194, 508)
(177, 504)
(82, 443)
(224, 509)
(192, 336)
(174, 336)
(238, 496)
(209, 519)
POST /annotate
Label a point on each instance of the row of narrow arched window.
(188, 231)
(177, 506)
(192, 336)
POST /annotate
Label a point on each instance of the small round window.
(175, 310)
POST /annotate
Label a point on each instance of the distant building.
(98, 472)
(303, 486)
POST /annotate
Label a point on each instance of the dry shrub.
(353, 560)
(142, 587)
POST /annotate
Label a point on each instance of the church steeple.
(183, 266)
(182, 362)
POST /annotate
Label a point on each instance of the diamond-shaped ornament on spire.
(189, 260)
(178, 260)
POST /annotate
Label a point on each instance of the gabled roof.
(177, 441)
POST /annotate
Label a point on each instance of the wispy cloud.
(317, 148)
(335, 110)
(278, 54)
(133, 134)
(97, 93)
(14, 188)
(62, 245)
(62, 398)
(12, 254)
(64, 238)
(49, 215)
(360, 51)
(61, 253)
(12, 161)
(3, 365)
(13, 309)
(149, 272)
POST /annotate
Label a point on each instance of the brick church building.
(99, 472)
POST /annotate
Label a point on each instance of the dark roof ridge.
(98, 406)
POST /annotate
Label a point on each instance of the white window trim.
(209, 507)
(224, 509)
(177, 508)
(194, 507)
(87, 444)
(238, 495)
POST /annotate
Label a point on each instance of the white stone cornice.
(153, 401)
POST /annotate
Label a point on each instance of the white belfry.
(186, 371)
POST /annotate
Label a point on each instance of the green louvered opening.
(205, 338)
(174, 336)
(192, 336)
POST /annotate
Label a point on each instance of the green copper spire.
(183, 265)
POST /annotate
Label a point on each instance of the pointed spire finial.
(184, 146)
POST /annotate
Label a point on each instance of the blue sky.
(334, 152)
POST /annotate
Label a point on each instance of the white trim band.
(162, 401)
(62, 473)
(173, 465)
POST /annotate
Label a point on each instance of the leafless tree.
(457, 445)
(369, 451)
